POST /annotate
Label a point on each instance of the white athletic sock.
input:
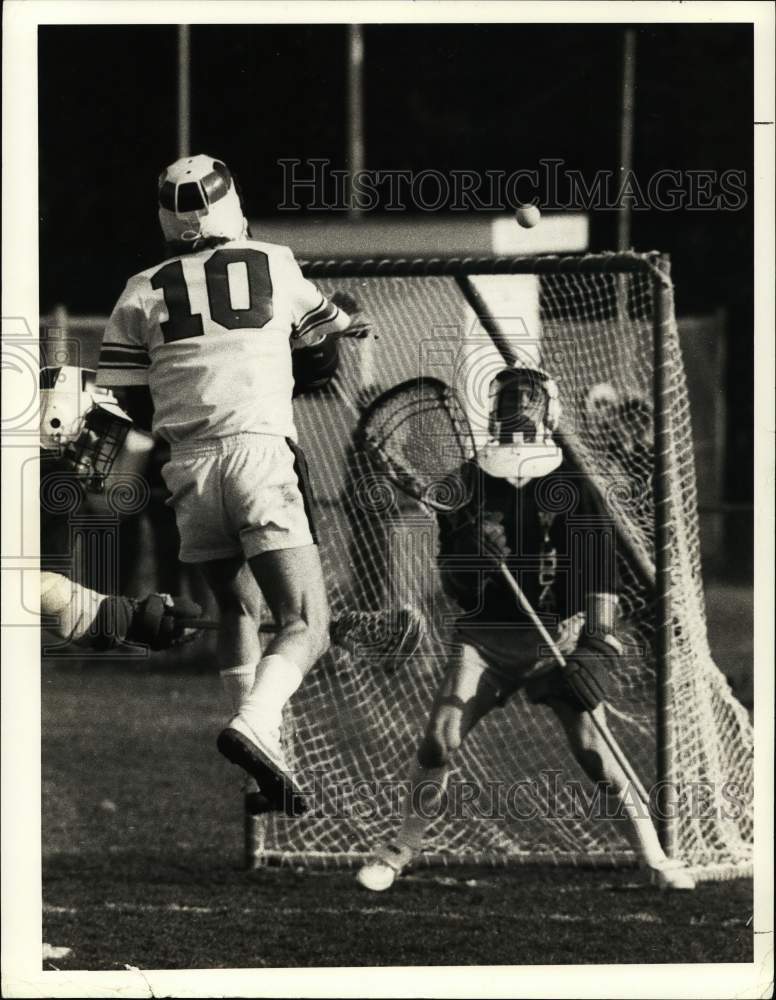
(237, 683)
(276, 680)
(640, 829)
(422, 803)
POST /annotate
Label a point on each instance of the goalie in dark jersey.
(527, 507)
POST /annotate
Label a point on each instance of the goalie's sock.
(421, 804)
(74, 606)
(277, 678)
(640, 829)
(237, 683)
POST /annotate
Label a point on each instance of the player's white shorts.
(244, 494)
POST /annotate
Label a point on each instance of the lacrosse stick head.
(418, 434)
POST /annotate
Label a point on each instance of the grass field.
(142, 866)
(729, 612)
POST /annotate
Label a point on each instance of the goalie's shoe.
(262, 757)
(671, 874)
(255, 801)
(389, 860)
(257, 804)
(379, 634)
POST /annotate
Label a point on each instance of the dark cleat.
(263, 760)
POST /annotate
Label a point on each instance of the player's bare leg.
(463, 698)
(599, 763)
(238, 649)
(291, 581)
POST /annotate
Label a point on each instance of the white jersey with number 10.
(210, 333)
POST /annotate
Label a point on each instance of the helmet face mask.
(198, 200)
(519, 406)
(94, 452)
(81, 423)
(524, 412)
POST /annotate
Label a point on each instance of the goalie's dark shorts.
(509, 658)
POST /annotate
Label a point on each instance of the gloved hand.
(161, 621)
(587, 669)
(346, 302)
(494, 536)
(359, 326)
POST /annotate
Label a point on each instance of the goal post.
(606, 331)
(663, 315)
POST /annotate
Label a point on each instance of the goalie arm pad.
(587, 668)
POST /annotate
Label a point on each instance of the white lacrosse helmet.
(524, 411)
(198, 200)
(81, 421)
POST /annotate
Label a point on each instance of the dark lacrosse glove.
(494, 536)
(587, 669)
(160, 621)
(315, 366)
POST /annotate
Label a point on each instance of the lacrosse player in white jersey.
(211, 328)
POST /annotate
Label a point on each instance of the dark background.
(466, 97)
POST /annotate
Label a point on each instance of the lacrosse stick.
(603, 730)
(203, 623)
(419, 435)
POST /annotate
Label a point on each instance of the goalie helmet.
(198, 200)
(523, 413)
(82, 422)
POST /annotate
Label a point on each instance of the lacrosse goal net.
(603, 326)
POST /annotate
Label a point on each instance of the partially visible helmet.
(524, 411)
(600, 404)
(82, 422)
(198, 200)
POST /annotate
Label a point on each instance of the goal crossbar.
(626, 262)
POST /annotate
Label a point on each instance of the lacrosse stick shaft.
(603, 730)
(208, 623)
(344, 398)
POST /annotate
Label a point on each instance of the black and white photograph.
(388, 475)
